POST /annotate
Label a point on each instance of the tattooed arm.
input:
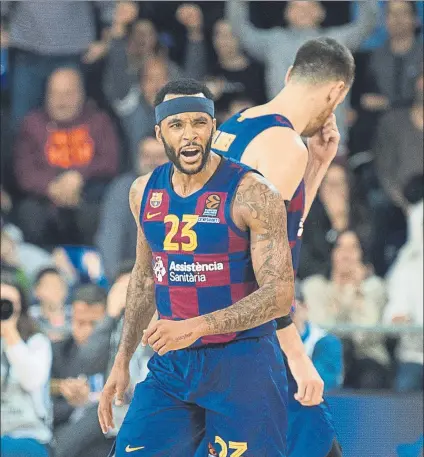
(140, 303)
(260, 208)
(139, 308)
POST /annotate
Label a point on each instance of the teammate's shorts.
(225, 400)
(311, 431)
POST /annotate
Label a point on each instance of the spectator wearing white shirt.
(26, 358)
(405, 294)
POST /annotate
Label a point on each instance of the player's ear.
(337, 93)
(158, 134)
(288, 74)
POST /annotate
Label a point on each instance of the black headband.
(184, 105)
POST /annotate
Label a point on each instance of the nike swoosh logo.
(133, 449)
(150, 216)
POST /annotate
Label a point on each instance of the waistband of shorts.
(256, 339)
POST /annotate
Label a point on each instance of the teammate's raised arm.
(139, 308)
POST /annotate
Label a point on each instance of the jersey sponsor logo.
(152, 215)
(156, 199)
(209, 220)
(159, 269)
(192, 272)
(210, 211)
(222, 140)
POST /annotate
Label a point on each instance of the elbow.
(285, 297)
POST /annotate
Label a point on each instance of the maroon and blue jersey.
(201, 259)
(231, 140)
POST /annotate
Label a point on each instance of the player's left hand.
(164, 335)
(324, 144)
(310, 386)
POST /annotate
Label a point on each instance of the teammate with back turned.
(268, 138)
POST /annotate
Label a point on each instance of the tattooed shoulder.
(136, 193)
(258, 201)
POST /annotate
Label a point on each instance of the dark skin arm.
(260, 208)
(140, 305)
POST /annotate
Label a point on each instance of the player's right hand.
(310, 386)
(115, 387)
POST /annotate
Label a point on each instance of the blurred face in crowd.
(400, 20)
(347, 253)
(187, 138)
(84, 319)
(143, 39)
(153, 77)
(8, 292)
(226, 45)
(335, 184)
(51, 289)
(65, 95)
(151, 155)
(304, 14)
(419, 88)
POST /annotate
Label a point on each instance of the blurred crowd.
(78, 80)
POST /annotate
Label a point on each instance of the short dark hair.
(324, 59)
(45, 271)
(92, 294)
(185, 86)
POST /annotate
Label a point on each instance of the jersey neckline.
(240, 114)
(202, 189)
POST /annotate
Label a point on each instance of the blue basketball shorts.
(311, 431)
(225, 400)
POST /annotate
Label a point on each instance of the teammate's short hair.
(91, 294)
(183, 87)
(324, 59)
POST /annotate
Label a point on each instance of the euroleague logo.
(210, 212)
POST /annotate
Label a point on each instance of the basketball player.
(268, 138)
(213, 254)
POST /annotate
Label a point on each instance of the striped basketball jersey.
(201, 259)
(231, 140)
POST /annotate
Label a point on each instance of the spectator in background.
(45, 37)
(76, 385)
(26, 257)
(138, 114)
(323, 348)
(405, 293)
(277, 47)
(51, 309)
(394, 67)
(64, 156)
(138, 66)
(116, 235)
(336, 208)
(26, 358)
(107, 335)
(350, 295)
(234, 73)
(398, 152)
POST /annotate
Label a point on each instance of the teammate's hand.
(324, 144)
(310, 386)
(116, 386)
(164, 336)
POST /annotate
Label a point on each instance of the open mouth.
(191, 154)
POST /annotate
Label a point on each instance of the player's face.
(187, 138)
(327, 103)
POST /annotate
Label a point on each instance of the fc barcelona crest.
(156, 199)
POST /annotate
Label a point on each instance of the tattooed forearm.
(263, 210)
(140, 303)
(138, 311)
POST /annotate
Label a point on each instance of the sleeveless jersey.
(201, 259)
(231, 140)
